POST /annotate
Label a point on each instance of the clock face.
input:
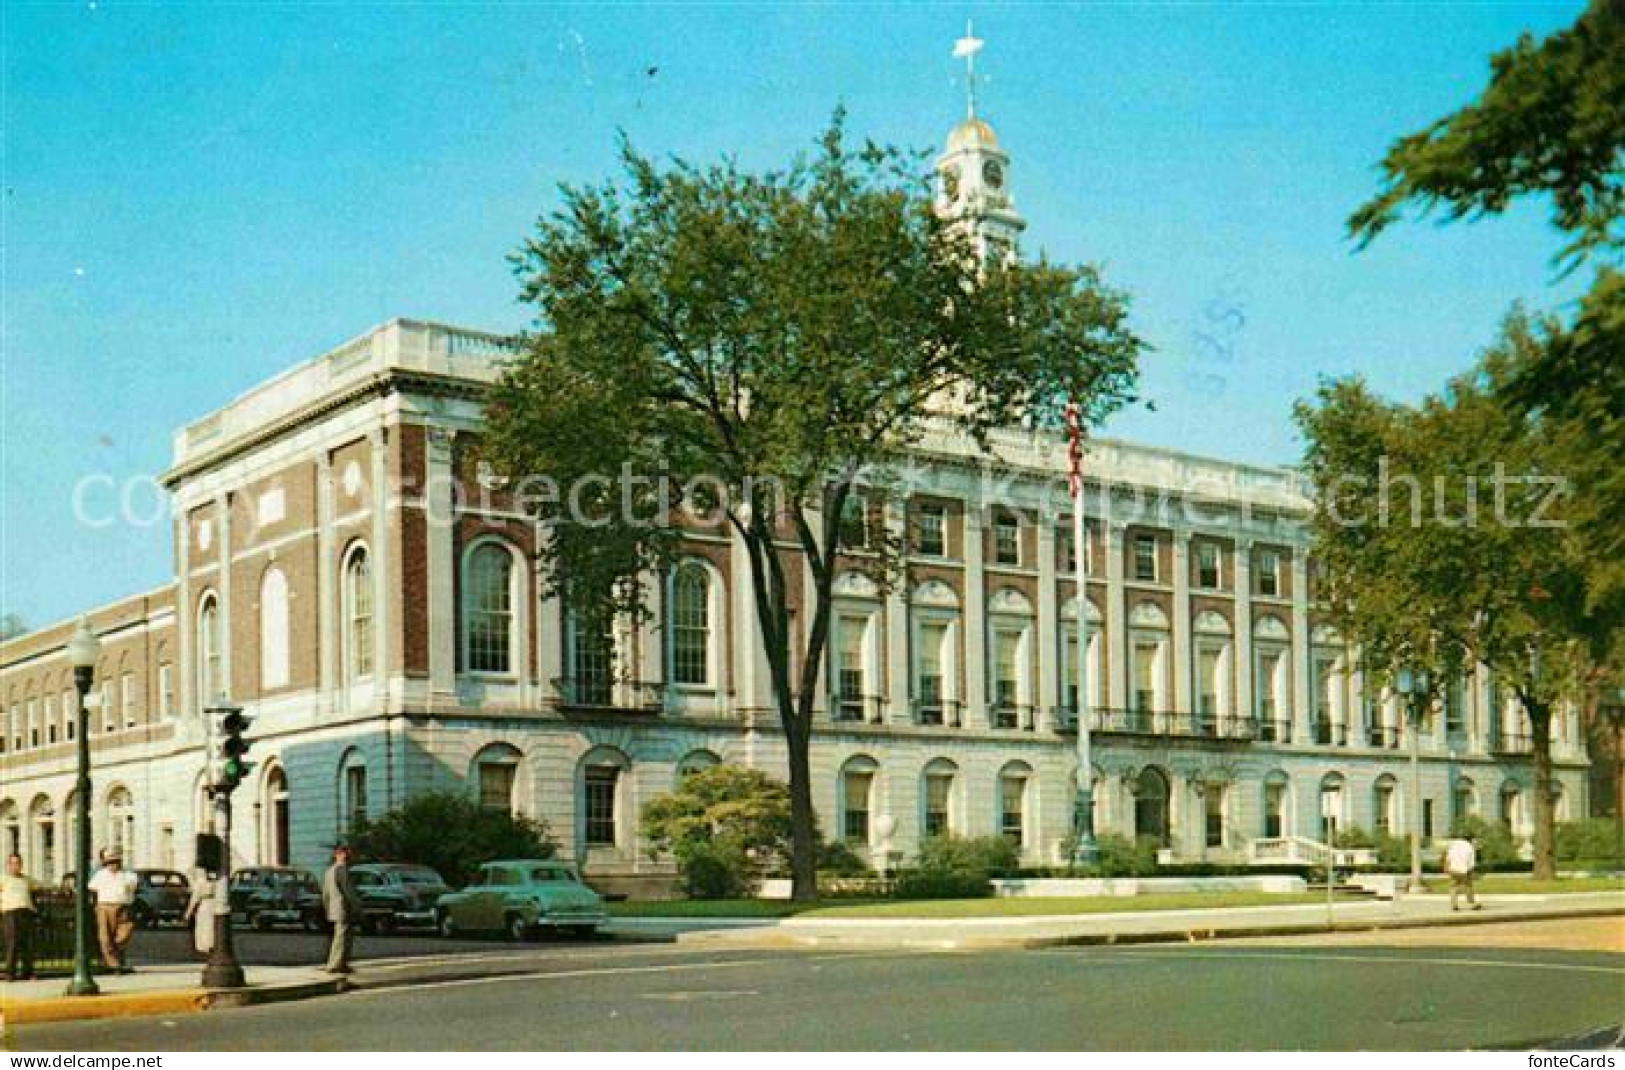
(950, 183)
(993, 174)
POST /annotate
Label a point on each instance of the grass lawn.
(946, 908)
(1504, 885)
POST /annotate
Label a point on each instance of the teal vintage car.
(522, 898)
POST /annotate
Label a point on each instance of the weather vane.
(966, 48)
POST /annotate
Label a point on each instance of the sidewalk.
(171, 989)
(1017, 933)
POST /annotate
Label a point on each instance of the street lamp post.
(83, 650)
(1414, 686)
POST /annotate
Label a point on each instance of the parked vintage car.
(521, 898)
(160, 898)
(268, 896)
(398, 896)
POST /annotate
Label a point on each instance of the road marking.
(1391, 960)
(401, 962)
(612, 971)
(686, 997)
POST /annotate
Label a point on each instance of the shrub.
(942, 884)
(1496, 847)
(1354, 837)
(451, 834)
(1596, 839)
(991, 856)
(838, 857)
(729, 823)
(1121, 856)
(718, 869)
(1393, 852)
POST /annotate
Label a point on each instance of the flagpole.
(1085, 851)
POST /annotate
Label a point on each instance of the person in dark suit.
(343, 906)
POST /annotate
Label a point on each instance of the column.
(222, 511)
(186, 701)
(1184, 692)
(1048, 636)
(1300, 647)
(1116, 660)
(752, 683)
(1358, 735)
(377, 439)
(441, 566)
(327, 614)
(975, 623)
(897, 627)
(1246, 703)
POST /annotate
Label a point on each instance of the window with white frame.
(938, 799)
(1145, 558)
(166, 690)
(121, 822)
(1209, 677)
(273, 629)
(1275, 807)
(600, 803)
(690, 617)
(930, 530)
(211, 684)
(592, 659)
(1208, 574)
(70, 715)
(929, 684)
(851, 672)
(853, 531)
(1213, 798)
(1267, 573)
(1014, 784)
(126, 698)
(353, 793)
(108, 712)
(50, 719)
(357, 606)
(1384, 801)
(1007, 676)
(489, 609)
(33, 723)
(1006, 538)
(857, 791)
(496, 779)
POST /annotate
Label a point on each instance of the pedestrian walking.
(343, 905)
(200, 910)
(114, 889)
(1460, 859)
(17, 915)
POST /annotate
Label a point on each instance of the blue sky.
(198, 196)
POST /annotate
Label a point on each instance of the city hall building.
(347, 571)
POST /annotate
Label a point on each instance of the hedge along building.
(346, 571)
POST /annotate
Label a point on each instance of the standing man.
(1460, 859)
(343, 905)
(17, 912)
(114, 890)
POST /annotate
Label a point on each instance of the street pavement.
(1508, 991)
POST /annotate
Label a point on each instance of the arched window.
(1464, 800)
(496, 778)
(1010, 623)
(857, 789)
(1333, 806)
(121, 823)
(210, 682)
(690, 617)
(1275, 805)
(352, 792)
(602, 777)
(1385, 805)
(488, 607)
(11, 830)
(1015, 790)
(273, 629)
(357, 614)
(696, 761)
(1151, 805)
(42, 836)
(939, 812)
(1149, 644)
(934, 610)
(1094, 671)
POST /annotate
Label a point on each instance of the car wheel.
(448, 928)
(518, 931)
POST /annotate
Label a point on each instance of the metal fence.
(53, 931)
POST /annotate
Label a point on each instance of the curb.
(781, 939)
(171, 1001)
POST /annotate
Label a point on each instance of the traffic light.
(228, 766)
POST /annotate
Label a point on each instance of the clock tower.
(974, 172)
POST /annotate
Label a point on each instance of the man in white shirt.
(114, 890)
(1460, 859)
(17, 912)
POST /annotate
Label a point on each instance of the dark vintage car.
(161, 897)
(268, 896)
(397, 896)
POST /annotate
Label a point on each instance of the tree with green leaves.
(725, 826)
(451, 834)
(1442, 549)
(756, 350)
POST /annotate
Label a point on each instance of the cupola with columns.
(974, 171)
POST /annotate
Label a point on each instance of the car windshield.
(418, 876)
(166, 880)
(551, 874)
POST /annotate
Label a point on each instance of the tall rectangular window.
(853, 531)
(930, 531)
(855, 787)
(1207, 566)
(50, 719)
(602, 782)
(166, 690)
(850, 682)
(1145, 677)
(928, 688)
(355, 796)
(1214, 812)
(126, 698)
(1012, 809)
(1145, 558)
(593, 663)
(1006, 670)
(691, 625)
(1269, 573)
(938, 787)
(1274, 810)
(1006, 539)
(496, 786)
(1207, 685)
(108, 712)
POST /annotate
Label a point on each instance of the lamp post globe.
(83, 649)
